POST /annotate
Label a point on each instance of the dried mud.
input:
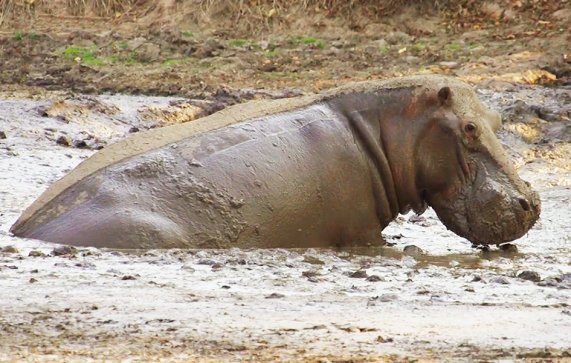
(428, 296)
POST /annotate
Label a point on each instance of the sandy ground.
(450, 302)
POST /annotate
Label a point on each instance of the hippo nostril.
(524, 204)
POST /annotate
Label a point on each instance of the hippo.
(326, 170)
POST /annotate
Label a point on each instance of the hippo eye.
(470, 127)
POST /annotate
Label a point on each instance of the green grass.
(419, 46)
(123, 45)
(87, 56)
(238, 43)
(20, 35)
(187, 34)
(271, 53)
(170, 63)
(454, 47)
(319, 43)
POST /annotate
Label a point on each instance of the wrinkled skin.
(319, 171)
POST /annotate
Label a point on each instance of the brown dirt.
(192, 50)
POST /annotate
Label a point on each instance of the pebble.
(508, 248)
(530, 276)
(381, 339)
(275, 295)
(9, 249)
(500, 280)
(413, 251)
(360, 274)
(313, 260)
(449, 65)
(63, 140)
(375, 278)
(388, 297)
(2, 135)
(64, 250)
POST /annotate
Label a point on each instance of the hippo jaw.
(468, 179)
(492, 209)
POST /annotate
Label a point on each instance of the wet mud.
(429, 294)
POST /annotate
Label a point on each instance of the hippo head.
(465, 174)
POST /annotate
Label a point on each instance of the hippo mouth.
(491, 211)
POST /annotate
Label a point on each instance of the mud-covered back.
(142, 142)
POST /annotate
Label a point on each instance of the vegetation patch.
(84, 55)
(311, 41)
(238, 43)
(20, 35)
(454, 46)
(170, 63)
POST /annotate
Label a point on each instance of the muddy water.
(445, 300)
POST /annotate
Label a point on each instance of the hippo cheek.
(496, 214)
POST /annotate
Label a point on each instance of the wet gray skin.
(317, 171)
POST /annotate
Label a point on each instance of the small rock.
(86, 265)
(508, 248)
(375, 278)
(80, 144)
(135, 43)
(206, 261)
(217, 266)
(549, 281)
(275, 295)
(413, 251)
(500, 280)
(2, 135)
(388, 297)
(562, 14)
(449, 65)
(416, 219)
(32, 280)
(64, 250)
(9, 249)
(492, 10)
(128, 277)
(359, 274)
(398, 38)
(411, 59)
(477, 278)
(313, 260)
(379, 43)
(381, 339)
(133, 129)
(310, 273)
(188, 267)
(63, 140)
(530, 276)
(147, 52)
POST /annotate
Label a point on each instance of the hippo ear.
(445, 96)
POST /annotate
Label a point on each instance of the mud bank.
(444, 301)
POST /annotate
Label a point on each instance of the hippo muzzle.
(488, 203)
(492, 211)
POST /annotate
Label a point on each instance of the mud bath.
(448, 301)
